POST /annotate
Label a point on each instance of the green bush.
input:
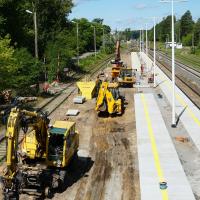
(187, 40)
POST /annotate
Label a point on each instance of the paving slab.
(158, 159)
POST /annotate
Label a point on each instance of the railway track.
(193, 61)
(54, 103)
(186, 86)
(187, 68)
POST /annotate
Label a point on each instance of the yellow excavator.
(127, 77)
(109, 99)
(38, 164)
(117, 63)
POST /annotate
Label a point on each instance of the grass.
(89, 63)
(184, 55)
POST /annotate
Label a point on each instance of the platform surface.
(191, 116)
(135, 61)
(158, 159)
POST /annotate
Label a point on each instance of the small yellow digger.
(109, 99)
(127, 77)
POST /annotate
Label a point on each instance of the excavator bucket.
(87, 89)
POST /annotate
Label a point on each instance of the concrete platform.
(158, 159)
(191, 116)
(135, 61)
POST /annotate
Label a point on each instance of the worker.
(142, 69)
(137, 75)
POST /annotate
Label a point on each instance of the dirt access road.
(107, 168)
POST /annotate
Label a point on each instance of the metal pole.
(36, 33)
(173, 70)
(146, 41)
(140, 42)
(45, 69)
(103, 40)
(199, 38)
(95, 48)
(154, 57)
(77, 32)
(193, 41)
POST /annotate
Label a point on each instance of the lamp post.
(173, 60)
(193, 47)
(140, 43)
(146, 41)
(103, 39)
(154, 53)
(95, 45)
(142, 40)
(34, 13)
(77, 40)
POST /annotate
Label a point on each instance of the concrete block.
(72, 112)
(79, 100)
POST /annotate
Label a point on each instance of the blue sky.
(121, 14)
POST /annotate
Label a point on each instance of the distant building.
(179, 46)
(176, 45)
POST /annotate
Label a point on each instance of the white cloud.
(140, 6)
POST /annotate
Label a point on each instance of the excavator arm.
(16, 122)
(109, 99)
(117, 51)
(114, 106)
(100, 103)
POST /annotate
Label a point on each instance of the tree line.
(57, 41)
(187, 31)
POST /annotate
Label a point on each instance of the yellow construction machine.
(38, 164)
(109, 99)
(127, 77)
(117, 64)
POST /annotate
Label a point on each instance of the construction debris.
(72, 112)
(182, 139)
(79, 100)
(26, 99)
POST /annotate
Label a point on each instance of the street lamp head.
(28, 11)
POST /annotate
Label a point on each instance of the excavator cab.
(127, 77)
(62, 144)
(56, 143)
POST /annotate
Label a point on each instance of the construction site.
(122, 145)
(126, 128)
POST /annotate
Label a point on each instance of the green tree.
(51, 18)
(187, 40)
(186, 24)
(59, 54)
(28, 72)
(7, 62)
(197, 32)
(98, 21)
